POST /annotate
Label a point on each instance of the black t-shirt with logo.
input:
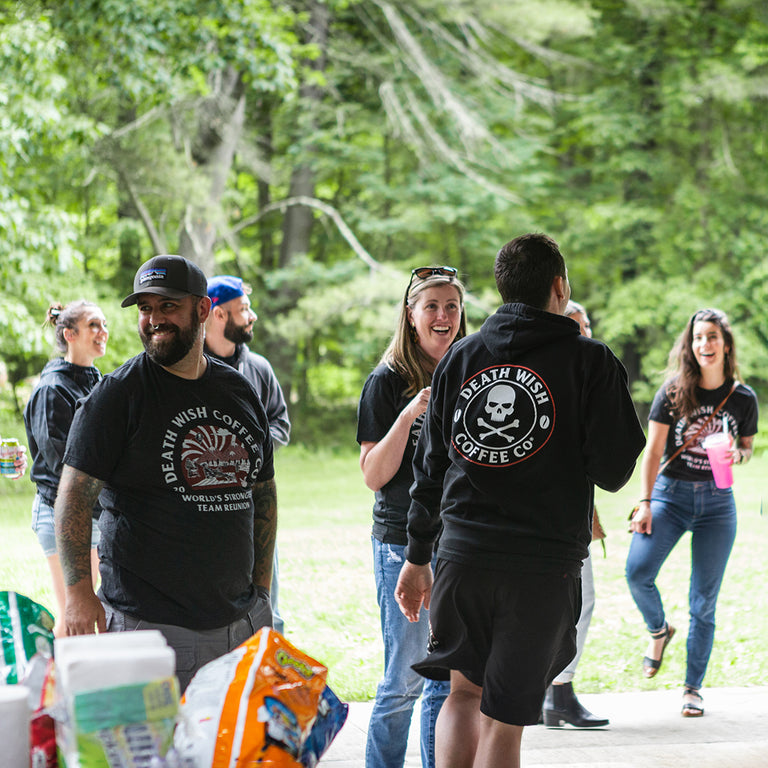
(382, 399)
(740, 414)
(178, 458)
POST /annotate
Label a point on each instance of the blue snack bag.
(331, 716)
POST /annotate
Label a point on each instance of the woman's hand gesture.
(418, 405)
(641, 519)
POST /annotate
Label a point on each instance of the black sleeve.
(51, 416)
(430, 463)
(378, 407)
(275, 406)
(661, 408)
(749, 415)
(614, 436)
(97, 438)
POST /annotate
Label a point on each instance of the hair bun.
(54, 311)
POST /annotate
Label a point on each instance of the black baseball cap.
(172, 276)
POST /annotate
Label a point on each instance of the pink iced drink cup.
(717, 446)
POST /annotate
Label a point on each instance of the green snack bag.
(26, 629)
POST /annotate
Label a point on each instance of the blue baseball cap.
(224, 288)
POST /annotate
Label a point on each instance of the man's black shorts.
(511, 633)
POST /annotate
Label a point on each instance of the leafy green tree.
(323, 149)
(404, 134)
(38, 224)
(659, 163)
(168, 83)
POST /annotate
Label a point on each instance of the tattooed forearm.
(73, 514)
(264, 531)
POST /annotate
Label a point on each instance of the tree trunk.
(263, 121)
(297, 224)
(220, 123)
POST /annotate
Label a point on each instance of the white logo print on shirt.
(214, 457)
(207, 452)
(504, 414)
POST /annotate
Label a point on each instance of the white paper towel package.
(86, 662)
(117, 698)
(14, 726)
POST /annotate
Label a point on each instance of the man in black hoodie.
(525, 418)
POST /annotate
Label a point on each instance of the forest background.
(323, 149)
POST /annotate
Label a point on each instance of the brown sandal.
(692, 703)
(652, 666)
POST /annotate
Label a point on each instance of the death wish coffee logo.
(207, 449)
(504, 415)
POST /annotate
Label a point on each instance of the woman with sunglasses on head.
(81, 335)
(702, 396)
(390, 415)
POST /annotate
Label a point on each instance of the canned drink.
(9, 452)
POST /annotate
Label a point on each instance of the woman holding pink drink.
(701, 397)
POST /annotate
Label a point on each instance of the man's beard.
(169, 351)
(237, 334)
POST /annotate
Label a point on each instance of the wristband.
(642, 500)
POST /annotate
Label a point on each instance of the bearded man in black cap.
(176, 445)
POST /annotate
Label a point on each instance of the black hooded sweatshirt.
(526, 416)
(48, 417)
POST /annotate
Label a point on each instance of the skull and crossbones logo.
(499, 405)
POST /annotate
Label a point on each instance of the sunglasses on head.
(424, 272)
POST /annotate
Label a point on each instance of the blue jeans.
(404, 644)
(710, 514)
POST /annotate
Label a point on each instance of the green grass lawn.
(328, 598)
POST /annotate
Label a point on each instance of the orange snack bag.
(254, 706)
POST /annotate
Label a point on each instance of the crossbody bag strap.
(693, 439)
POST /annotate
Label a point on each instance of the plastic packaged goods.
(42, 731)
(14, 726)
(124, 726)
(258, 706)
(117, 698)
(85, 662)
(26, 652)
(26, 630)
(331, 716)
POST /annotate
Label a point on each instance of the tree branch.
(158, 241)
(346, 233)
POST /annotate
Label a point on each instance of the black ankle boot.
(561, 706)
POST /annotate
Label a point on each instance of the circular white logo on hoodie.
(504, 414)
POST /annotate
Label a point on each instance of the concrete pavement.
(646, 731)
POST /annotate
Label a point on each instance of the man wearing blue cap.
(228, 331)
(176, 446)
